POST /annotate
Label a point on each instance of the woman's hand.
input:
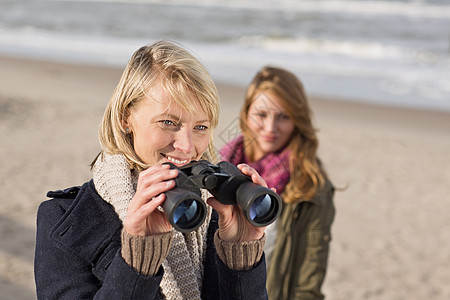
(233, 225)
(143, 216)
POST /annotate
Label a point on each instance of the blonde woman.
(109, 238)
(280, 142)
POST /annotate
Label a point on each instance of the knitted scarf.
(274, 167)
(183, 267)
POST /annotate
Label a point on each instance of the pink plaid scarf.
(274, 167)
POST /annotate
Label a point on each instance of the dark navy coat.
(78, 255)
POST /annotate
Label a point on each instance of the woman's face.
(164, 132)
(270, 123)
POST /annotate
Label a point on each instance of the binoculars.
(186, 210)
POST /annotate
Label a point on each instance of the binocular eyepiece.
(186, 210)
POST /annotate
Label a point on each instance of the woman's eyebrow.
(174, 117)
(167, 115)
(263, 108)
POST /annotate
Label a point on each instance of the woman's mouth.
(176, 161)
(269, 138)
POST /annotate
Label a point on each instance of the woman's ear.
(126, 124)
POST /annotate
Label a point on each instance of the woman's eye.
(261, 115)
(167, 123)
(201, 127)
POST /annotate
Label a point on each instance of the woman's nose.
(183, 142)
(269, 124)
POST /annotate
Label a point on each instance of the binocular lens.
(261, 207)
(186, 212)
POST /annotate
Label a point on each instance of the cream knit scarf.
(183, 267)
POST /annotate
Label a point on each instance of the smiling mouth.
(269, 138)
(176, 161)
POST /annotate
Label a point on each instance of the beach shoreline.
(391, 228)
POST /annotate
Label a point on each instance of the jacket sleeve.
(312, 269)
(62, 274)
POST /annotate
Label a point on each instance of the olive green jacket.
(299, 260)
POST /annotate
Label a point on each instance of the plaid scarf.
(274, 167)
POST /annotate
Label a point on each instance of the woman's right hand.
(143, 216)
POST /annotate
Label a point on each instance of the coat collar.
(89, 228)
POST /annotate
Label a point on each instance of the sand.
(391, 235)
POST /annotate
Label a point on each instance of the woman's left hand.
(233, 225)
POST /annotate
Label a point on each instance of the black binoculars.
(186, 210)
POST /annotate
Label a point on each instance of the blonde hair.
(306, 172)
(181, 75)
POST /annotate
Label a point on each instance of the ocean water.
(387, 52)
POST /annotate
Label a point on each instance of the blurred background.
(389, 52)
(377, 73)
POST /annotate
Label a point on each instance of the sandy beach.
(391, 233)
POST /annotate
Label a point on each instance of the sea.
(394, 53)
